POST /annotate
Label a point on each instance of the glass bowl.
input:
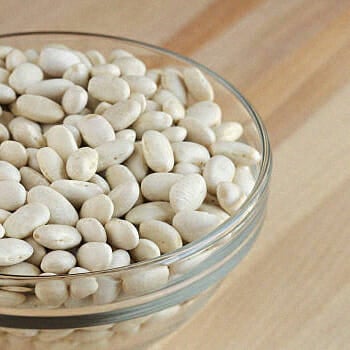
(162, 293)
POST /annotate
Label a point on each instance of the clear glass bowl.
(174, 286)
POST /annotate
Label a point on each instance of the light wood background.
(291, 58)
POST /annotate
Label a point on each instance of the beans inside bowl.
(131, 181)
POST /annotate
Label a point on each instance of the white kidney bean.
(145, 280)
(14, 58)
(157, 151)
(4, 75)
(122, 114)
(9, 172)
(136, 163)
(120, 258)
(26, 219)
(108, 88)
(188, 193)
(14, 153)
(118, 174)
(161, 211)
(122, 234)
(7, 94)
(100, 207)
(82, 287)
(113, 152)
(193, 225)
(175, 133)
(130, 65)
(229, 195)
(58, 261)
(141, 84)
(94, 256)
(55, 61)
(82, 164)
(240, 153)
(51, 292)
(5, 135)
(244, 179)
(95, 130)
(164, 235)
(74, 99)
(190, 152)
(174, 108)
(107, 292)
(13, 195)
(102, 107)
(32, 160)
(105, 69)
(61, 210)
(38, 252)
(76, 192)
(186, 168)
(14, 251)
(228, 131)
(25, 75)
(197, 131)
(172, 82)
(32, 55)
(91, 230)
(140, 98)
(207, 112)
(153, 120)
(124, 197)
(55, 237)
(4, 214)
(214, 209)
(51, 88)
(21, 269)
(126, 134)
(95, 57)
(11, 299)
(78, 74)
(156, 186)
(117, 53)
(101, 182)
(218, 169)
(198, 85)
(152, 106)
(27, 132)
(38, 108)
(51, 164)
(145, 250)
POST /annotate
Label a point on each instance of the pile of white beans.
(104, 163)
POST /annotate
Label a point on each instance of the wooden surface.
(292, 60)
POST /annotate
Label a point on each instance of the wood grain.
(291, 59)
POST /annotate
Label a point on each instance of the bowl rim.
(227, 226)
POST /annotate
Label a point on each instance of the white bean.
(145, 250)
(61, 210)
(141, 84)
(38, 252)
(197, 131)
(124, 197)
(92, 230)
(11, 299)
(136, 163)
(4, 214)
(130, 65)
(157, 151)
(190, 152)
(161, 211)
(152, 106)
(53, 292)
(107, 292)
(38, 108)
(156, 186)
(95, 130)
(171, 81)
(113, 152)
(105, 69)
(101, 182)
(108, 88)
(74, 99)
(27, 132)
(14, 251)
(51, 164)
(100, 207)
(32, 55)
(140, 98)
(32, 160)
(57, 236)
(102, 107)
(193, 225)
(95, 256)
(175, 133)
(240, 153)
(51, 88)
(174, 108)
(153, 120)
(207, 112)
(4, 75)
(198, 85)
(9, 172)
(126, 134)
(122, 234)
(117, 53)
(13, 195)
(76, 192)
(14, 58)
(244, 179)
(95, 57)
(164, 235)
(21, 269)
(82, 164)
(26, 219)
(228, 131)
(5, 135)
(186, 168)
(78, 74)
(229, 195)
(58, 261)
(14, 153)
(120, 258)
(82, 287)
(25, 75)
(214, 209)
(218, 169)
(188, 193)
(7, 94)
(55, 61)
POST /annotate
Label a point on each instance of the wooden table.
(292, 60)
